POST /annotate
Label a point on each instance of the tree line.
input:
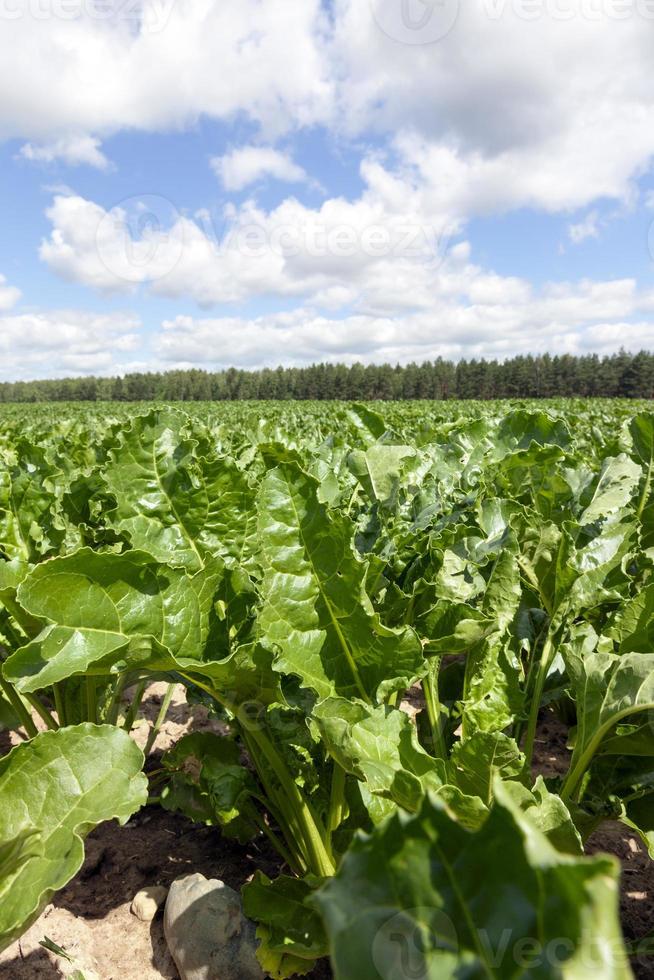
(543, 376)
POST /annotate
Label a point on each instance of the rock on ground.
(207, 934)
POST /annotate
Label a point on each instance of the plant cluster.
(379, 609)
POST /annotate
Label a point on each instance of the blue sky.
(189, 183)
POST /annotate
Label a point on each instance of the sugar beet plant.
(379, 608)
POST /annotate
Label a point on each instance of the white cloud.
(475, 315)
(588, 227)
(249, 164)
(9, 295)
(496, 114)
(57, 343)
(160, 64)
(380, 252)
(73, 150)
(486, 112)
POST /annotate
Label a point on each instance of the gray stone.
(148, 901)
(207, 934)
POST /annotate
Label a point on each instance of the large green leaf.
(614, 488)
(425, 895)
(58, 787)
(105, 608)
(173, 498)
(316, 615)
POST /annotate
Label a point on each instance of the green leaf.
(520, 428)
(548, 813)
(208, 783)
(290, 931)
(380, 747)
(369, 425)
(608, 688)
(380, 470)
(103, 608)
(632, 626)
(613, 490)
(477, 762)
(174, 498)
(453, 627)
(316, 615)
(60, 785)
(500, 902)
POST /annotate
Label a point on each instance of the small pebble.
(148, 901)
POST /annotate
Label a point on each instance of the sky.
(207, 183)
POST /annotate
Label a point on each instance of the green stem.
(130, 718)
(434, 710)
(163, 711)
(284, 818)
(546, 658)
(30, 626)
(290, 816)
(645, 493)
(578, 768)
(260, 821)
(337, 803)
(320, 861)
(91, 702)
(535, 584)
(353, 499)
(113, 708)
(529, 683)
(60, 704)
(42, 711)
(18, 705)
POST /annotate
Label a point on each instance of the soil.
(91, 919)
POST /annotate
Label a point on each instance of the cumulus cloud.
(380, 251)
(487, 105)
(476, 315)
(9, 295)
(249, 164)
(118, 66)
(472, 118)
(491, 105)
(64, 342)
(72, 150)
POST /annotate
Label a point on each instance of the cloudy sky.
(255, 182)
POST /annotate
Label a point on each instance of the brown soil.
(91, 917)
